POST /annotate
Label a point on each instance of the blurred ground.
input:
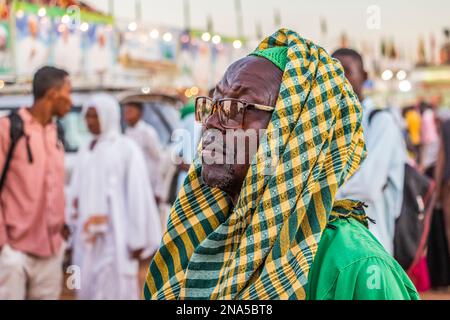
(70, 294)
(436, 295)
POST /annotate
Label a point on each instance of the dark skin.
(355, 73)
(132, 114)
(255, 80)
(93, 124)
(57, 102)
(92, 121)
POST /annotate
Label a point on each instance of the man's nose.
(213, 122)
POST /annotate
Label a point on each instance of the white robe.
(148, 140)
(111, 179)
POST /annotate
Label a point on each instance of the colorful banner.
(88, 44)
(148, 46)
(80, 42)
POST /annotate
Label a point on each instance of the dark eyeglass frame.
(219, 105)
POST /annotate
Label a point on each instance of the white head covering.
(108, 111)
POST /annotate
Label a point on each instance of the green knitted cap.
(277, 55)
(187, 109)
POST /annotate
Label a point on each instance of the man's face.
(132, 114)
(60, 98)
(354, 72)
(254, 80)
(92, 121)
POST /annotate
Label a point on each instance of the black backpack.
(413, 225)
(16, 132)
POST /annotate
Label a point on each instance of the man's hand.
(136, 254)
(95, 221)
(94, 227)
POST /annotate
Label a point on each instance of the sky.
(402, 20)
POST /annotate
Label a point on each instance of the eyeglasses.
(231, 112)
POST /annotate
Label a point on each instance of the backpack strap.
(61, 133)
(373, 113)
(16, 132)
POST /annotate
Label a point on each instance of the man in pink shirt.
(32, 197)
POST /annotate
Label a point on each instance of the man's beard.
(223, 179)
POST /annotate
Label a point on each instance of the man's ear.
(51, 94)
(366, 75)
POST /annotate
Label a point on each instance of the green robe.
(352, 265)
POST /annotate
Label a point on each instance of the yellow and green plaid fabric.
(263, 247)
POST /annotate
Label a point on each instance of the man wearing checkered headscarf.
(266, 229)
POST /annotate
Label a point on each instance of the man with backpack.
(32, 192)
(380, 180)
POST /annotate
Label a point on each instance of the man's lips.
(213, 152)
(210, 154)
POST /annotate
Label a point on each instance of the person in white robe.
(115, 215)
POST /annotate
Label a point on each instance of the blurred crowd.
(427, 136)
(115, 209)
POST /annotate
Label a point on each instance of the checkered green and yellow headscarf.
(264, 247)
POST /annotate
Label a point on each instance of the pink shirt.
(32, 199)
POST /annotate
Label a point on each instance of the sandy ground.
(436, 295)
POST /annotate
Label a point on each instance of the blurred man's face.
(132, 114)
(102, 40)
(61, 99)
(255, 80)
(92, 121)
(354, 72)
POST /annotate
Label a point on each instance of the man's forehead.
(250, 74)
(249, 67)
(92, 110)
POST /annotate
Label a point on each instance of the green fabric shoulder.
(352, 265)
